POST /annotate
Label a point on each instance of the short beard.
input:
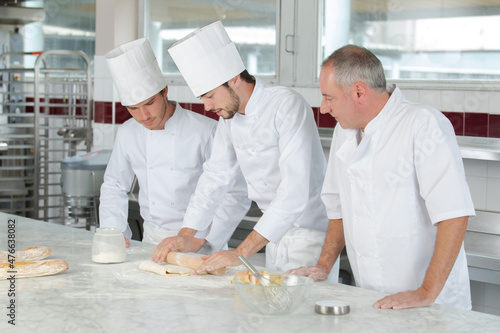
(234, 106)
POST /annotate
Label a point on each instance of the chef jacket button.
(358, 254)
(265, 184)
(153, 203)
(172, 134)
(171, 169)
(255, 118)
(172, 203)
(253, 150)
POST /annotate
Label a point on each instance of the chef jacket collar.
(252, 106)
(171, 123)
(386, 111)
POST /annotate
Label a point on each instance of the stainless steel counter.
(487, 149)
(482, 246)
(122, 298)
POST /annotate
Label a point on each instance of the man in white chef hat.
(164, 146)
(268, 134)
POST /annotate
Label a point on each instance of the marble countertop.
(92, 297)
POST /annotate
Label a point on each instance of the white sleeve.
(220, 193)
(118, 178)
(296, 130)
(440, 170)
(228, 216)
(330, 193)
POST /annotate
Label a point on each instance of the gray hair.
(352, 63)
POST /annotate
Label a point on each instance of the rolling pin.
(185, 260)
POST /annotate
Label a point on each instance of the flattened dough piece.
(164, 269)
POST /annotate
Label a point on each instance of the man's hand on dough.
(162, 249)
(213, 262)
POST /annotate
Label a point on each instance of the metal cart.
(45, 116)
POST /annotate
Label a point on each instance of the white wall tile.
(476, 101)
(101, 69)
(452, 100)
(494, 103)
(312, 95)
(493, 195)
(477, 186)
(430, 97)
(492, 295)
(182, 94)
(476, 168)
(104, 90)
(477, 307)
(411, 95)
(493, 311)
(477, 292)
(493, 169)
(104, 136)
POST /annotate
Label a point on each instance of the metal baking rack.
(45, 116)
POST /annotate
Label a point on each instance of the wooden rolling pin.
(185, 260)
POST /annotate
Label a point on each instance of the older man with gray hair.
(394, 190)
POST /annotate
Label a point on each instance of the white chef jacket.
(167, 164)
(276, 146)
(391, 188)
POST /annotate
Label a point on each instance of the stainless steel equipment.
(81, 180)
(45, 116)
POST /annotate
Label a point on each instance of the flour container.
(108, 246)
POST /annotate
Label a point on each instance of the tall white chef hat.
(135, 71)
(207, 58)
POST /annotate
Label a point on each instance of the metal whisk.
(280, 299)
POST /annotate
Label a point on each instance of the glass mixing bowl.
(281, 294)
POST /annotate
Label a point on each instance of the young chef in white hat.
(164, 146)
(268, 133)
(395, 189)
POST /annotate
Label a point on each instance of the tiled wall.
(472, 113)
(483, 178)
(485, 297)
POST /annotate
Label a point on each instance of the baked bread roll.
(29, 254)
(25, 269)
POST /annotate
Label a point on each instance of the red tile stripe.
(464, 123)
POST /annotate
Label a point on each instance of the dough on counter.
(32, 268)
(29, 254)
(164, 269)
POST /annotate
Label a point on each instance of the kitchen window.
(285, 41)
(251, 25)
(68, 25)
(418, 40)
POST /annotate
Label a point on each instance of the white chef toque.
(207, 58)
(135, 71)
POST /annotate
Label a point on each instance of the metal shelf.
(45, 116)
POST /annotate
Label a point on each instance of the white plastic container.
(108, 246)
